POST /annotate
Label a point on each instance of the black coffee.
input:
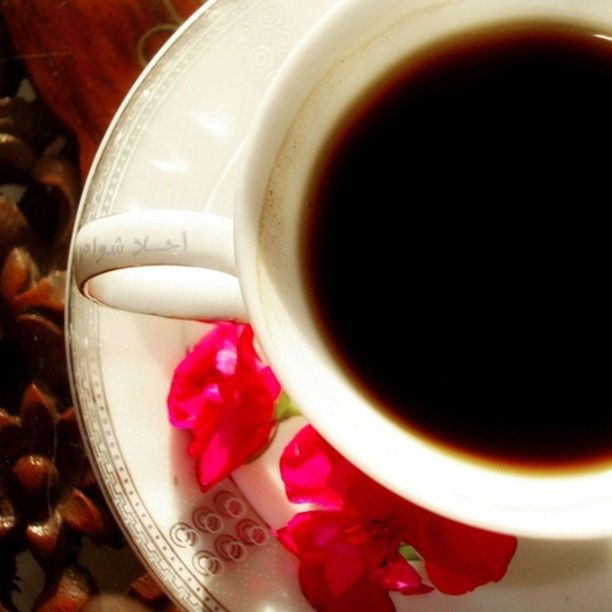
(457, 244)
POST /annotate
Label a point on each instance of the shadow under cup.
(371, 367)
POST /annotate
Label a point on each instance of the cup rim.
(541, 505)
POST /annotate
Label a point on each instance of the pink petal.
(225, 394)
(458, 558)
(196, 373)
(182, 414)
(313, 471)
(398, 575)
(363, 596)
(308, 534)
(246, 350)
(224, 336)
(343, 567)
(229, 437)
(306, 466)
(270, 382)
(248, 360)
(215, 462)
(211, 394)
(226, 360)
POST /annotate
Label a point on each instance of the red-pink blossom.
(349, 548)
(225, 395)
(348, 564)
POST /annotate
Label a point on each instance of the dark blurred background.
(64, 69)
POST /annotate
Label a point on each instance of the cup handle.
(170, 263)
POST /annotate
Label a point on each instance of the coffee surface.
(456, 245)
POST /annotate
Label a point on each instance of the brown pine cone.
(48, 495)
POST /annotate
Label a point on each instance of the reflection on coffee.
(456, 244)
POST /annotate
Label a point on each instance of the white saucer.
(176, 143)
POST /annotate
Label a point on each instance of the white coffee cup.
(196, 265)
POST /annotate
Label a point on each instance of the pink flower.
(225, 395)
(348, 563)
(350, 548)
